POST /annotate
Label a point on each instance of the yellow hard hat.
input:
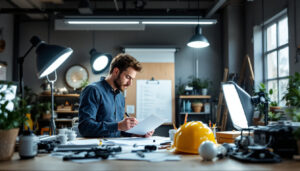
(190, 135)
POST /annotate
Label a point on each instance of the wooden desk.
(188, 162)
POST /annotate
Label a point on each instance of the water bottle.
(28, 145)
(188, 106)
(183, 106)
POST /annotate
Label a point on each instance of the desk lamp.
(48, 59)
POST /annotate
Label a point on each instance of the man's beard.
(117, 82)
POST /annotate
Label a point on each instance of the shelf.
(61, 95)
(194, 113)
(67, 112)
(63, 120)
(194, 97)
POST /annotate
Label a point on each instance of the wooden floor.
(188, 162)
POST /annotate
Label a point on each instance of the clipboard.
(154, 97)
(152, 81)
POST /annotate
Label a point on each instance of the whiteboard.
(154, 97)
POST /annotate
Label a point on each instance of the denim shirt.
(100, 110)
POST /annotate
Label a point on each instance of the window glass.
(273, 85)
(283, 32)
(272, 65)
(271, 37)
(283, 84)
(283, 62)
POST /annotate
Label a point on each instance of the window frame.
(275, 20)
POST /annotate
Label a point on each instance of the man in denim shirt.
(102, 105)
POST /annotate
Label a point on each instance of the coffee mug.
(62, 138)
(62, 131)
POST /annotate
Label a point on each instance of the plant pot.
(7, 143)
(204, 91)
(274, 108)
(197, 107)
(46, 116)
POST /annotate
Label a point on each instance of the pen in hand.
(127, 114)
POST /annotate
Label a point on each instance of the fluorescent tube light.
(155, 21)
(102, 22)
(179, 22)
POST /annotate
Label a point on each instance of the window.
(276, 57)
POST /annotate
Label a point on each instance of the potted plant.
(196, 84)
(42, 110)
(292, 97)
(274, 106)
(274, 116)
(197, 106)
(10, 121)
(204, 86)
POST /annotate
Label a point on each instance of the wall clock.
(75, 76)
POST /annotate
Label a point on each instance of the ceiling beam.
(22, 3)
(116, 5)
(53, 1)
(215, 8)
(105, 12)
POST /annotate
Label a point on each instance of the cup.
(71, 135)
(172, 133)
(62, 138)
(62, 131)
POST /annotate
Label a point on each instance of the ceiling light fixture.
(157, 21)
(102, 22)
(198, 40)
(99, 61)
(180, 21)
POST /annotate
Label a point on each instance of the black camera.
(279, 137)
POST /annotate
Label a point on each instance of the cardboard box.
(229, 136)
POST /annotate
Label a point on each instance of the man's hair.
(124, 61)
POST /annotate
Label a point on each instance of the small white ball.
(208, 150)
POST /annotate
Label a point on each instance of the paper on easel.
(147, 125)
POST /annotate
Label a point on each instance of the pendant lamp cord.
(93, 39)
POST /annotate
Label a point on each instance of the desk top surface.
(188, 162)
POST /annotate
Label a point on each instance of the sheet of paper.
(130, 141)
(84, 142)
(154, 97)
(148, 124)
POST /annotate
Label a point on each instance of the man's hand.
(127, 123)
(149, 134)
